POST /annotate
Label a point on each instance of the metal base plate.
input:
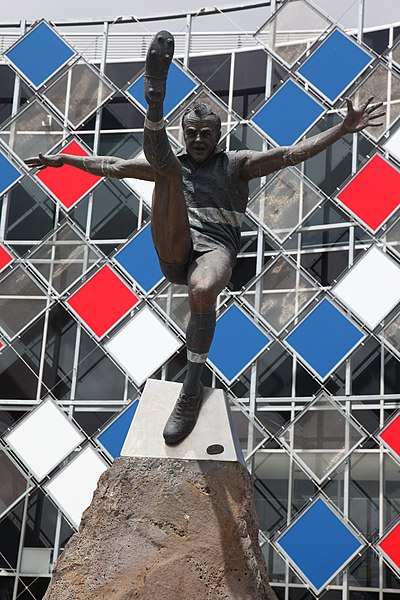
(213, 437)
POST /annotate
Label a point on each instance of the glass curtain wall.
(316, 399)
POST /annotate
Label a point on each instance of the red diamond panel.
(390, 435)
(374, 193)
(68, 184)
(5, 258)
(390, 545)
(102, 301)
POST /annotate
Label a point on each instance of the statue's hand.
(45, 160)
(363, 116)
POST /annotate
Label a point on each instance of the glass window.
(280, 293)
(281, 32)
(63, 258)
(78, 93)
(21, 301)
(115, 211)
(30, 214)
(284, 202)
(321, 437)
(35, 129)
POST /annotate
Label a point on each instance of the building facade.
(308, 329)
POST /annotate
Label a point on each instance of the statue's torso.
(216, 200)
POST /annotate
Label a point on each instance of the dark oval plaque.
(215, 449)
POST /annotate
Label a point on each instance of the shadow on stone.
(166, 529)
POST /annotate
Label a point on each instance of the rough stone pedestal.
(166, 529)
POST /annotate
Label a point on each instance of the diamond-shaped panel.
(5, 258)
(324, 339)
(237, 342)
(319, 544)
(44, 438)
(391, 334)
(371, 288)
(9, 174)
(179, 86)
(84, 89)
(284, 202)
(280, 293)
(72, 488)
(321, 437)
(390, 436)
(334, 65)
(373, 194)
(288, 114)
(68, 184)
(143, 345)
(102, 301)
(33, 130)
(13, 483)
(393, 144)
(39, 54)
(139, 260)
(284, 22)
(21, 301)
(390, 547)
(113, 437)
(63, 258)
(382, 85)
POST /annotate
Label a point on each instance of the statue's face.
(201, 136)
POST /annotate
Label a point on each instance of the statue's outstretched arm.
(258, 164)
(105, 166)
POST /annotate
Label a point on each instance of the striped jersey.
(216, 201)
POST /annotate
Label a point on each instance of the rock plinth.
(166, 529)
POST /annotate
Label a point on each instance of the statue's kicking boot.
(158, 60)
(183, 417)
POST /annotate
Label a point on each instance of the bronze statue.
(199, 201)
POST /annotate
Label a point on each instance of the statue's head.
(201, 130)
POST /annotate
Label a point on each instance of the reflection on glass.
(21, 301)
(284, 202)
(392, 334)
(63, 258)
(115, 211)
(78, 93)
(365, 573)
(30, 213)
(13, 483)
(292, 30)
(272, 473)
(280, 293)
(384, 86)
(321, 437)
(10, 533)
(35, 129)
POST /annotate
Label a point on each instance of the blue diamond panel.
(335, 65)
(39, 54)
(113, 437)
(140, 261)
(8, 174)
(237, 341)
(179, 85)
(288, 114)
(324, 338)
(319, 544)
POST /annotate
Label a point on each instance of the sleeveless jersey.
(216, 201)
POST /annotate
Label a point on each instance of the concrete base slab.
(213, 438)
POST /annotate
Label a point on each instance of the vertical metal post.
(188, 39)
(14, 110)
